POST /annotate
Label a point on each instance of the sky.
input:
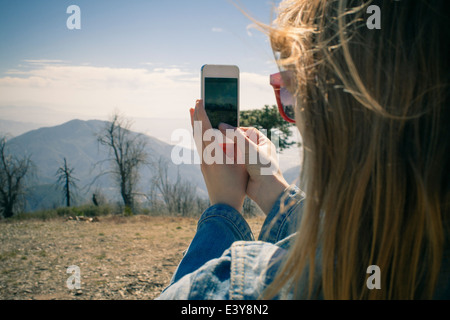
(141, 58)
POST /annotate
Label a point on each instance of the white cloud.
(95, 92)
(216, 29)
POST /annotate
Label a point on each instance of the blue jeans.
(221, 225)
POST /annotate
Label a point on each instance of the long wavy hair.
(373, 112)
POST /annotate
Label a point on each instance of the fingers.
(258, 150)
(231, 148)
(254, 135)
(200, 115)
(243, 145)
(209, 142)
(249, 143)
(246, 147)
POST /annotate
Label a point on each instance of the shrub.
(127, 212)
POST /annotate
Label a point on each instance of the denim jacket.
(224, 261)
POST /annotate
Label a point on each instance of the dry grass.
(119, 258)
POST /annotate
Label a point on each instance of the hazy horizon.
(159, 128)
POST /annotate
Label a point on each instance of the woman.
(372, 107)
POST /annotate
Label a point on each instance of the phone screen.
(221, 101)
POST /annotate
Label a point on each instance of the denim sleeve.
(210, 270)
(210, 282)
(218, 227)
(284, 218)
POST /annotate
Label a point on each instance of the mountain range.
(77, 142)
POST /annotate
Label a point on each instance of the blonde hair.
(373, 112)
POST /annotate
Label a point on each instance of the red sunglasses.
(285, 100)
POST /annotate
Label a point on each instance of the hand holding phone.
(226, 184)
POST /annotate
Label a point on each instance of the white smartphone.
(220, 93)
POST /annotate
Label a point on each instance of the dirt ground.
(118, 257)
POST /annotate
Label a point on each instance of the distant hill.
(16, 128)
(76, 141)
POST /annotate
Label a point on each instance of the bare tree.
(178, 196)
(67, 180)
(162, 183)
(126, 155)
(13, 174)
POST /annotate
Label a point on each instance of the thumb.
(247, 147)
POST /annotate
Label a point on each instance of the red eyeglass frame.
(276, 81)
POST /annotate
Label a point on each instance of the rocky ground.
(118, 257)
